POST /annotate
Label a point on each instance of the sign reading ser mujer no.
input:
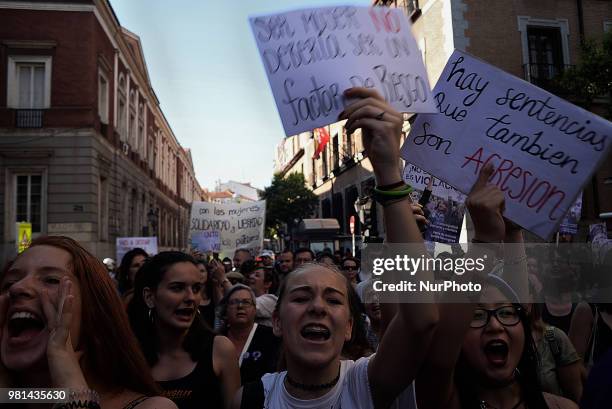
(543, 148)
(312, 56)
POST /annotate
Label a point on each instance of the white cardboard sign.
(239, 225)
(543, 148)
(311, 56)
(125, 244)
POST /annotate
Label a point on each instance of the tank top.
(201, 388)
(561, 322)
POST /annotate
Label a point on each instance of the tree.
(592, 78)
(287, 199)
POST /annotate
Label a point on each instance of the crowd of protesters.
(303, 330)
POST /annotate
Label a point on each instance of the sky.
(207, 74)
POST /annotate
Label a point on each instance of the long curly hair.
(105, 330)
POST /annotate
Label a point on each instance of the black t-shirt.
(261, 356)
(201, 388)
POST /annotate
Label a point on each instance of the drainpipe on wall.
(580, 21)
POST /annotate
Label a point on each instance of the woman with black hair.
(130, 264)
(193, 366)
(207, 304)
(496, 365)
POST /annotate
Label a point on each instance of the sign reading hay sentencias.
(543, 148)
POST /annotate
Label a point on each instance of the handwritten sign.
(445, 208)
(543, 148)
(239, 225)
(206, 241)
(312, 56)
(125, 244)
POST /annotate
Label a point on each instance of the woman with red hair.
(61, 320)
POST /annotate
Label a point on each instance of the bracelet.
(385, 197)
(406, 190)
(391, 186)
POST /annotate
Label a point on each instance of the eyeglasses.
(507, 316)
(237, 303)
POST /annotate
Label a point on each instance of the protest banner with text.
(125, 244)
(238, 225)
(543, 148)
(444, 209)
(312, 56)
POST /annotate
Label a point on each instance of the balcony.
(543, 75)
(29, 118)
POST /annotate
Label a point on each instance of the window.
(338, 209)
(141, 147)
(607, 26)
(324, 170)
(121, 108)
(336, 152)
(133, 126)
(29, 201)
(103, 97)
(151, 153)
(29, 82)
(545, 48)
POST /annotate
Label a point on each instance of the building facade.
(85, 150)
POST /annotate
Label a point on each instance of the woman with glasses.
(350, 268)
(496, 364)
(194, 366)
(256, 346)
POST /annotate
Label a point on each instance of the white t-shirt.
(351, 392)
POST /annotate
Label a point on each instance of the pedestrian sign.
(24, 236)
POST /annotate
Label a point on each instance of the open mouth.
(185, 313)
(23, 326)
(496, 352)
(316, 332)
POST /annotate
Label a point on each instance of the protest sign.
(206, 241)
(125, 244)
(24, 236)
(239, 225)
(569, 224)
(312, 56)
(444, 209)
(543, 148)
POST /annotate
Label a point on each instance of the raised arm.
(435, 383)
(409, 333)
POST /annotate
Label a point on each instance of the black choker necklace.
(319, 387)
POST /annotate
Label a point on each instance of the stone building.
(85, 149)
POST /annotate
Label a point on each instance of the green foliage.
(287, 199)
(592, 78)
